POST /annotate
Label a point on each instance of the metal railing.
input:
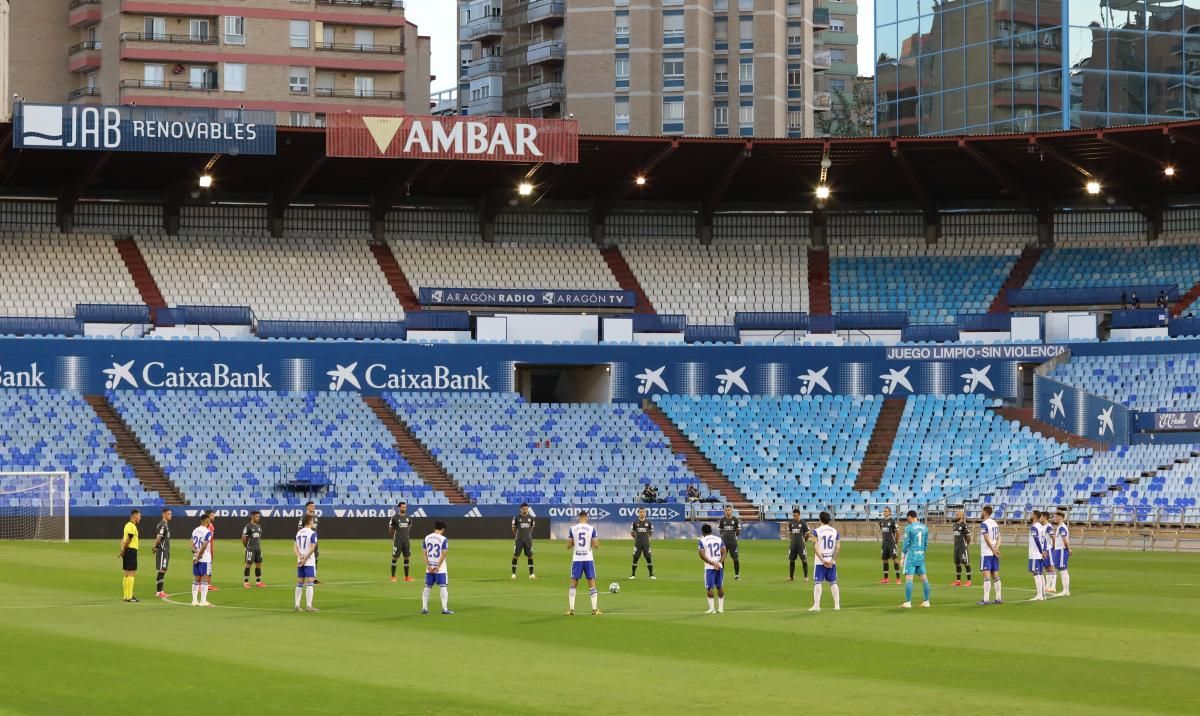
(84, 46)
(545, 10)
(80, 3)
(482, 27)
(550, 50)
(358, 94)
(382, 4)
(169, 85)
(353, 47)
(83, 92)
(484, 66)
(546, 93)
(167, 37)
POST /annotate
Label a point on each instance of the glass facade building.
(971, 67)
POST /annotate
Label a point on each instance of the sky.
(438, 20)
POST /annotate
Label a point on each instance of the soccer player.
(435, 547)
(252, 542)
(829, 545)
(162, 552)
(1037, 555)
(202, 543)
(641, 531)
(798, 530)
(583, 540)
(1048, 576)
(400, 530)
(962, 544)
(310, 510)
(989, 553)
(212, 529)
(888, 529)
(305, 549)
(1062, 551)
(522, 529)
(128, 555)
(912, 549)
(731, 527)
(712, 552)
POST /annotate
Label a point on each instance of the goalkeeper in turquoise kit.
(912, 553)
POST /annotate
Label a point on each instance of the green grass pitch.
(1125, 642)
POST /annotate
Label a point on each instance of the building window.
(621, 71)
(364, 86)
(795, 118)
(197, 77)
(198, 29)
(673, 27)
(836, 25)
(672, 71)
(746, 114)
(621, 112)
(154, 75)
(298, 119)
(837, 54)
(795, 76)
(326, 80)
(235, 77)
(235, 30)
(746, 71)
(319, 119)
(746, 33)
(745, 4)
(298, 80)
(91, 80)
(721, 73)
(837, 85)
(721, 115)
(673, 110)
(298, 32)
(364, 38)
(795, 35)
(154, 28)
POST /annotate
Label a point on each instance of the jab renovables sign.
(485, 139)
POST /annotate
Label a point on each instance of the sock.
(908, 590)
(158, 582)
(258, 574)
(393, 569)
(804, 565)
(124, 587)
(737, 566)
(958, 572)
(650, 568)
(531, 565)
(445, 594)
(710, 604)
(195, 593)
(885, 572)
(1066, 581)
(246, 575)
(926, 584)
(633, 572)
(425, 600)
(968, 572)
(571, 598)
(987, 590)
(514, 565)
(721, 604)
(406, 567)
(1040, 585)
(996, 589)
(299, 592)
(204, 593)
(1054, 581)
(896, 568)
(837, 596)
(595, 598)
(308, 594)
(131, 587)
(817, 594)
(791, 569)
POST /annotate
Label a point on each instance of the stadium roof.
(1033, 171)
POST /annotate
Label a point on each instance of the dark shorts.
(797, 551)
(890, 552)
(129, 560)
(641, 549)
(961, 555)
(523, 545)
(254, 556)
(161, 559)
(731, 546)
(401, 548)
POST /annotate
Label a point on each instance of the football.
(614, 587)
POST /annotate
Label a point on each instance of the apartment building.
(763, 68)
(299, 58)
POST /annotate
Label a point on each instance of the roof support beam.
(73, 187)
(1114, 142)
(178, 192)
(284, 194)
(920, 191)
(386, 196)
(603, 206)
(1062, 157)
(1006, 180)
(713, 197)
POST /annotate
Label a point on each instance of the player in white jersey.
(201, 561)
(1037, 555)
(989, 552)
(1049, 576)
(712, 552)
(582, 539)
(1061, 554)
(305, 549)
(828, 546)
(434, 550)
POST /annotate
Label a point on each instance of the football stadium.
(501, 414)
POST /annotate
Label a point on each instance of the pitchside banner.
(1168, 421)
(486, 139)
(183, 130)
(626, 512)
(532, 297)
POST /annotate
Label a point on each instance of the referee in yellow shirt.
(128, 555)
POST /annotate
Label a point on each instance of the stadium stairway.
(879, 449)
(130, 449)
(415, 453)
(139, 271)
(1017, 277)
(1185, 301)
(1024, 416)
(819, 301)
(700, 465)
(395, 277)
(625, 278)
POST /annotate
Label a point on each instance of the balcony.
(80, 3)
(366, 49)
(208, 85)
(382, 4)
(820, 18)
(822, 60)
(86, 46)
(83, 13)
(545, 94)
(548, 51)
(172, 39)
(484, 66)
(83, 92)
(485, 107)
(358, 94)
(822, 101)
(546, 11)
(481, 27)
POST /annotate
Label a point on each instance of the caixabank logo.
(378, 376)
(156, 374)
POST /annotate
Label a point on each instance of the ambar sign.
(497, 139)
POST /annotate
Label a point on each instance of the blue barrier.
(1167, 421)
(438, 321)
(651, 323)
(204, 315)
(1184, 327)
(1140, 318)
(112, 313)
(989, 322)
(527, 297)
(624, 512)
(1096, 296)
(929, 332)
(31, 326)
(867, 320)
(822, 324)
(357, 330)
(711, 334)
(770, 320)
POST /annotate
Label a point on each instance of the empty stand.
(143, 279)
(1142, 382)
(415, 453)
(148, 472)
(625, 278)
(1115, 261)
(819, 297)
(1017, 276)
(883, 436)
(1024, 416)
(395, 277)
(47, 274)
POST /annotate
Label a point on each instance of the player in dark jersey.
(641, 531)
(522, 529)
(730, 527)
(252, 541)
(310, 510)
(162, 551)
(962, 541)
(798, 534)
(888, 529)
(400, 530)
